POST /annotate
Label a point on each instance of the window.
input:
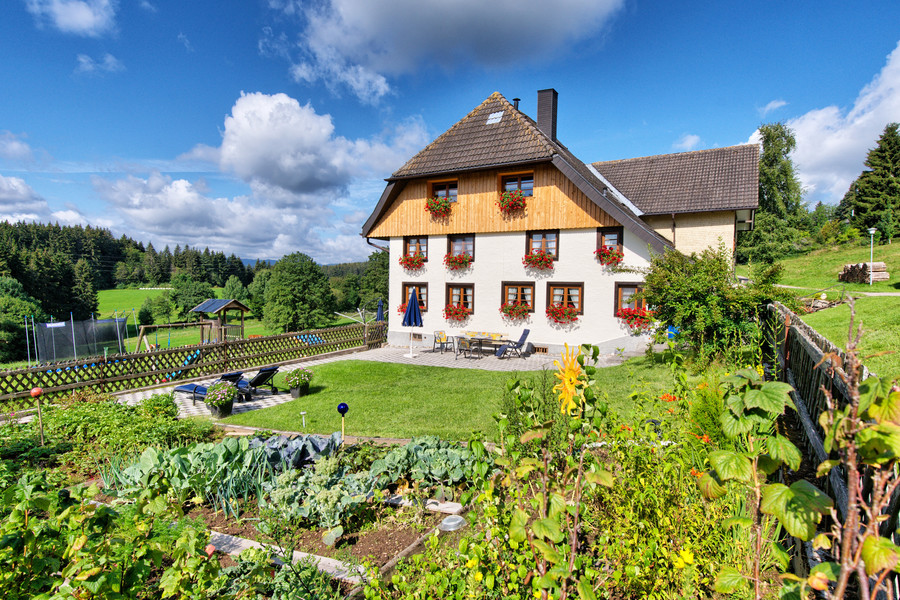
(610, 237)
(444, 189)
(570, 294)
(521, 181)
(548, 241)
(412, 245)
(514, 291)
(421, 294)
(461, 294)
(625, 293)
(461, 244)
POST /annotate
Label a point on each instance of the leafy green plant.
(220, 474)
(326, 496)
(751, 409)
(427, 460)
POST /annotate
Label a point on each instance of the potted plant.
(298, 380)
(639, 320)
(562, 314)
(438, 207)
(515, 310)
(456, 312)
(455, 262)
(412, 262)
(401, 310)
(538, 259)
(220, 398)
(510, 201)
(609, 255)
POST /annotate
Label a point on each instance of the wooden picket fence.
(800, 357)
(121, 372)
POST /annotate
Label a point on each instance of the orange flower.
(669, 398)
(705, 439)
(696, 473)
(626, 428)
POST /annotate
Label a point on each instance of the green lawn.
(819, 269)
(394, 400)
(881, 326)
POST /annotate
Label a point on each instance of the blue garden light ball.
(343, 408)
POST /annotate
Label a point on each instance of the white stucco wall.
(498, 258)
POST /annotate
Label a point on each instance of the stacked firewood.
(859, 273)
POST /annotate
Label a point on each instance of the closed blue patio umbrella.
(379, 314)
(412, 318)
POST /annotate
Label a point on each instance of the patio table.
(486, 340)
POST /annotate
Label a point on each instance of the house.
(629, 209)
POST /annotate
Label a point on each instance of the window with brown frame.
(519, 181)
(421, 294)
(548, 241)
(444, 189)
(461, 294)
(412, 245)
(461, 244)
(519, 291)
(625, 296)
(610, 237)
(569, 294)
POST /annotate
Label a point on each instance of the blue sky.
(264, 127)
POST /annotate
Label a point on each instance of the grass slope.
(819, 269)
(394, 400)
(881, 327)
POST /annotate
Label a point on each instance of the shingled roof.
(701, 181)
(493, 134)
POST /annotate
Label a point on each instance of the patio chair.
(442, 341)
(514, 347)
(197, 392)
(264, 378)
(466, 347)
(232, 377)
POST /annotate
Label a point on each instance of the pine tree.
(84, 297)
(780, 193)
(874, 198)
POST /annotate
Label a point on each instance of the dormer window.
(444, 189)
(520, 181)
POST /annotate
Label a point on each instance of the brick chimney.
(546, 112)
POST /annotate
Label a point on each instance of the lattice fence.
(143, 369)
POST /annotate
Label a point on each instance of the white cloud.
(269, 223)
(90, 18)
(344, 42)
(13, 148)
(688, 141)
(19, 202)
(108, 64)
(771, 106)
(187, 43)
(832, 142)
(274, 141)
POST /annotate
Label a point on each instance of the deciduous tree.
(298, 295)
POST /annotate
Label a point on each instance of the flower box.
(412, 262)
(456, 312)
(456, 262)
(515, 310)
(609, 255)
(402, 308)
(438, 207)
(511, 201)
(639, 320)
(538, 259)
(562, 314)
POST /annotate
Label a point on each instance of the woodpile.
(859, 273)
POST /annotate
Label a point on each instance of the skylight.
(494, 117)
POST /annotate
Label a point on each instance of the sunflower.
(569, 375)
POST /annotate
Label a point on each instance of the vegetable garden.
(698, 492)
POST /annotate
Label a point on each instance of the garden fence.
(798, 354)
(121, 372)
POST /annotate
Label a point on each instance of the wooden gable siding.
(556, 204)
